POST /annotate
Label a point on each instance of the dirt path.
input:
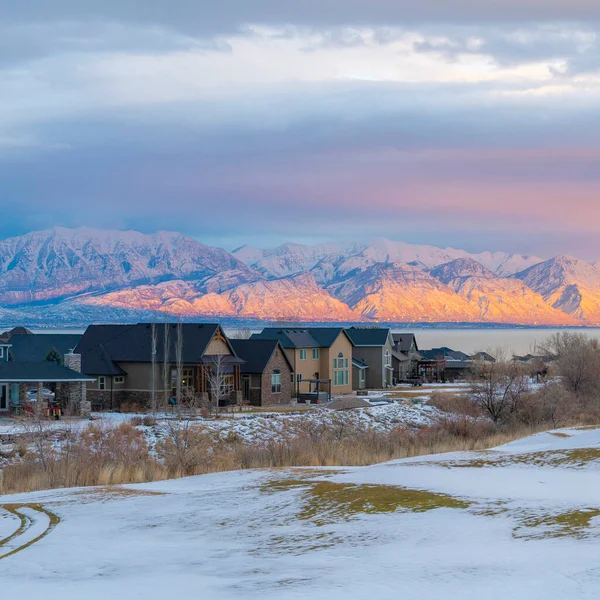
(35, 520)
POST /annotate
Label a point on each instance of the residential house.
(42, 347)
(133, 363)
(31, 363)
(371, 357)
(17, 379)
(405, 356)
(266, 374)
(444, 364)
(321, 358)
(5, 341)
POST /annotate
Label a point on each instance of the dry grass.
(106, 457)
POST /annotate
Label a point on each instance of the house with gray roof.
(371, 357)
(321, 358)
(266, 373)
(405, 357)
(134, 363)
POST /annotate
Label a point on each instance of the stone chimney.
(73, 361)
(77, 392)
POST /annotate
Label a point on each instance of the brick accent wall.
(268, 397)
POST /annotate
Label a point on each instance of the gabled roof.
(256, 354)
(444, 353)
(35, 347)
(310, 337)
(400, 357)
(359, 364)
(368, 336)
(39, 372)
(405, 341)
(103, 345)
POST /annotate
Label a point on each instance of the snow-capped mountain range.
(82, 275)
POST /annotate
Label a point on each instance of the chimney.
(73, 361)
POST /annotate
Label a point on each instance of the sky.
(447, 122)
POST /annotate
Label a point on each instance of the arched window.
(276, 381)
(388, 359)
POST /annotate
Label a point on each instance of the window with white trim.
(102, 383)
(276, 381)
(119, 379)
(388, 359)
(299, 378)
(315, 353)
(340, 370)
(302, 354)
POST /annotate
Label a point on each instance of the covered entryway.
(18, 378)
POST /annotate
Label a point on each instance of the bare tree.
(166, 367)
(153, 350)
(576, 359)
(499, 387)
(219, 382)
(179, 361)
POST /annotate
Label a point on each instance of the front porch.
(36, 387)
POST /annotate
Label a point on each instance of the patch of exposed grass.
(576, 523)
(326, 501)
(576, 458)
(559, 434)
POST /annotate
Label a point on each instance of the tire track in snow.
(18, 541)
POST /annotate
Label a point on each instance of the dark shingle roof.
(288, 338)
(257, 354)
(44, 372)
(444, 353)
(309, 337)
(35, 348)
(103, 345)
(404, 341)
(368, 336)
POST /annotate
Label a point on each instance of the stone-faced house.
(120, 359)
(266, 373)
(18, 378)
(321, 357)
(371, 357)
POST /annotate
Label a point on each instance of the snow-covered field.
(517, 522)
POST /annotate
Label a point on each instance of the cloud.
(274, 120)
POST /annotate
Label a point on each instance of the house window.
(340, 370)
(302, 354)
(119, 379)
(101, 383)
(299, 378)
(1, 351)
(315, 353)
(362, 375)
(276, 381)
(388, 359)
(291, 378)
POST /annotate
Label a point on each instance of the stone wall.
(76, 392)
(268, 397)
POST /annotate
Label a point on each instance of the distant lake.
(518, 341)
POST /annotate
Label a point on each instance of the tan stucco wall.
(341, 344)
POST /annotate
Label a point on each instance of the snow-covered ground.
(267, 425)
(501, 524)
